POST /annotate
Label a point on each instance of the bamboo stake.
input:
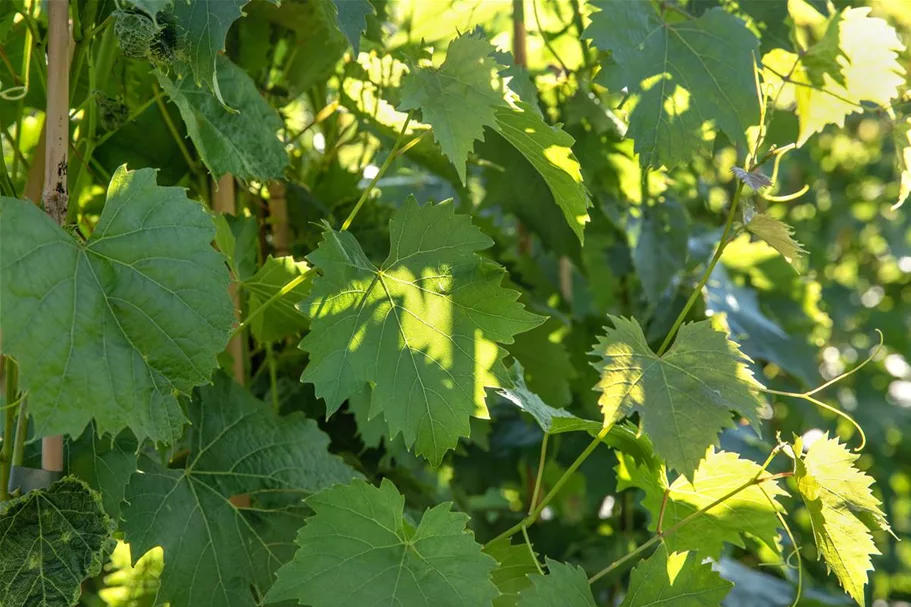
(57, 129)
(278, 216)
(224, 201)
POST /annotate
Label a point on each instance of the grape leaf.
(680, 579)
(132, 316)
(658, 238)
(546, 362)
(779, 235)
(243, 143)
(842, 511)
(868, 68)
(236, 238)
(901, 138)
(423, 327)
(719, 473)
(358, 549)
(515, 564)
(563, 586)
(105, 463)
(458, 99)
(352, 19)
(282, 318)
(204, 25)
(50, 541)
(214, 552)
(131, 585)
(684, 397)
(688, 75)
(549, 150)
(551, 420)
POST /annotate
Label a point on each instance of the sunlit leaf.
(685, 397)
(868, 71)
(901, 137)
(563, 586)
(423, 327)
(549, 150)
(680, 579)
(243, 143)
(215, 552)
(51, 540)
(129, 584)
(358, 549)
(459, 98)
(778, 234)
(129, 318)
(692, 77)
(748, 512)
(842, 510)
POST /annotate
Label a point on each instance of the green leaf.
(352, 19)
(106, 464)
(777, 234)
(282, 318)
(680, 579)
(658, 238)
(131, 585)
(128, 319)
(214, 551)
(243, 143)
(152, 7)
(685, 397)
(50, 541)
(458, 99)
(358, 549)
(546, 362)
(551, 420)
(549, 150)
(748, 512)
(690, 76)
(204, 25)
(515, 564)
(236, 238)
(868, 71)
(842, 510)
(901, 139)
(423, 327)
(563, 586)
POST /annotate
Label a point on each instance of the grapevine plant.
(390, 302)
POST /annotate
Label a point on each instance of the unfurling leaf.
(680, 579)
(684, 397)
(691, 77)
(563, 586)
(358, 549)
(423, 327)
(459, 98)
(215, 552)
(866, 68)
(51, 540)
(756, 180)
(779, 235)
(842, 510)
(747, 512)
(115, 327)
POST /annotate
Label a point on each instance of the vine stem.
(539, 508)
(392, 156)
(6, 456)
(660, 536)
(708, 271)
(537, 489)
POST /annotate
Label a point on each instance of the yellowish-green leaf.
(685, 397)
(901, 137)
(842, 510)
(680, 579)
(868, 71)
(718, 474)
(779, 235)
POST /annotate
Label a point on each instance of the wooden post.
(278, 217)
(57, 133)
(224, 201)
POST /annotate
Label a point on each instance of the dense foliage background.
(319, 98)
